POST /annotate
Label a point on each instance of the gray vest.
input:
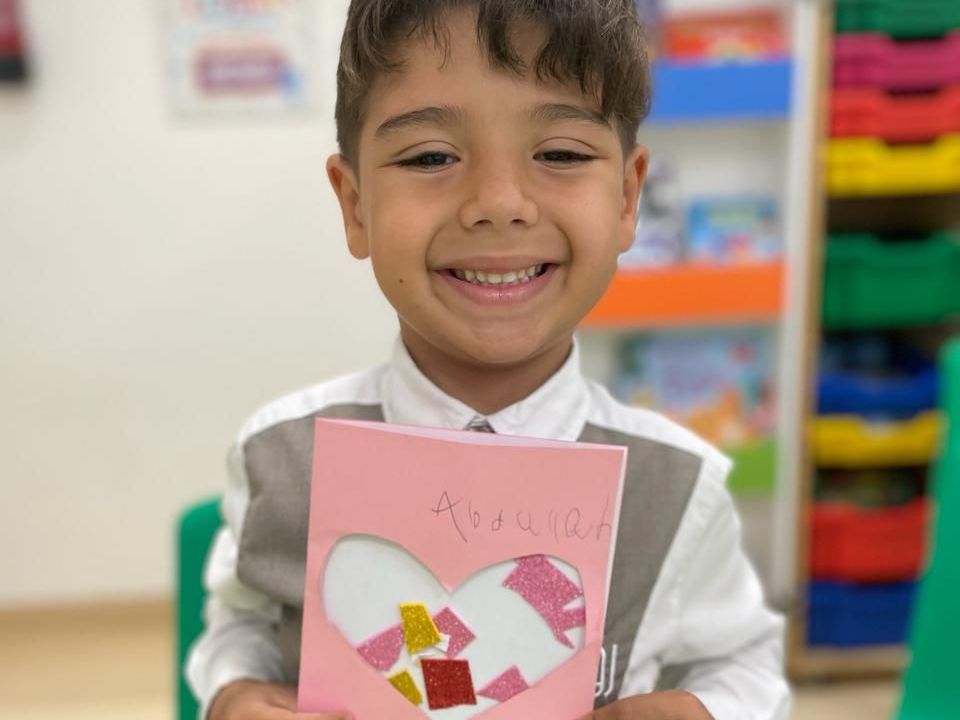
(273, 546)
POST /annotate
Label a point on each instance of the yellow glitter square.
(403, 681)
(418, 628)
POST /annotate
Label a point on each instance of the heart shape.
(524, 617)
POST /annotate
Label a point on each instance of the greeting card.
(455, 575)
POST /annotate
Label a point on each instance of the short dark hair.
(598, 44)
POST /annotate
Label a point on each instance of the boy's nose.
(497, 197)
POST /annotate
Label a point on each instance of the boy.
(489, 171)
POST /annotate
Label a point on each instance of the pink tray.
(872, 60)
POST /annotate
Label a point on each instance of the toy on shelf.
(898, 18)
(869, 60)
(872, 376)
(659, 237)
(870, 283)
(731, 35)
(894, 118)
(733, 230)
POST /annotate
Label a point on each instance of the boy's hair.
(599, 44)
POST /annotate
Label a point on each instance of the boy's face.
(492, 207)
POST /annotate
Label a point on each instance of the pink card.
(456, 574)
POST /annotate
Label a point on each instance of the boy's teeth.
(490, 278)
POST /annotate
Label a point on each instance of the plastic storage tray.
(908, 386)
(867, 166)
(850, 441)
(860, 112)
(877, 61)
(870, 283)
(850, 615)
(898, 18)
(857, 544)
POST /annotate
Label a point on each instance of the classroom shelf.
(858, 167)
(851, 441)
(898, 18)
(870, 60)
(697, 92)
(873, 284)
(691, 295)
(866, 112)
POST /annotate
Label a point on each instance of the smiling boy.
(489, 171)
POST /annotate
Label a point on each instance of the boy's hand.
(252, 700)
(666, 705)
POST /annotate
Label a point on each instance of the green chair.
(197, 528)
(930, 683)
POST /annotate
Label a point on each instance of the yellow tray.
(867, 166)
(852, 441)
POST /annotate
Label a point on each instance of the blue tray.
(873, 377)
(850, 615)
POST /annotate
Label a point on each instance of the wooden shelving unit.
(921, 214)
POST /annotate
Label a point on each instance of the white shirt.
(706, 612)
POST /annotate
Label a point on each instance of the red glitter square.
(449, 683)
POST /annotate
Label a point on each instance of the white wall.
(159, 280)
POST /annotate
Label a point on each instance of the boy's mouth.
(509, 278)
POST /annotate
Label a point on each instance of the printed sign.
(237, 56)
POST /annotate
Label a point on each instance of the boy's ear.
(345, 185)
(634, 175)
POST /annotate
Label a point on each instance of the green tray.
(873, 284)
(898, 18)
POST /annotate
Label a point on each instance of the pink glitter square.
(505, 686)
(549, 591)
(449, 623)
(382, 651)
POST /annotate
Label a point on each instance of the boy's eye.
(428, 161)
(563, 157)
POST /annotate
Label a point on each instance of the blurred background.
(173, 258)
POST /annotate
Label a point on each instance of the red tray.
(910, 118)
(871, 60)
(857, 544)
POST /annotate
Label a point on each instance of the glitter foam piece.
(505, 686)
(549, 591)
(418, 629)
(382, 651)
(404, 683)
(450, 624)
(448, 682)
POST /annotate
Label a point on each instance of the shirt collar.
(556, 410)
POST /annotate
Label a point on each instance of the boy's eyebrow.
(558, 112)
(432, 115)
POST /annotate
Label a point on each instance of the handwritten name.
(470, 521)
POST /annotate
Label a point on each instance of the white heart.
(366, 578)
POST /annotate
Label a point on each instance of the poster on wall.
(13, 64)
(238, 57)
